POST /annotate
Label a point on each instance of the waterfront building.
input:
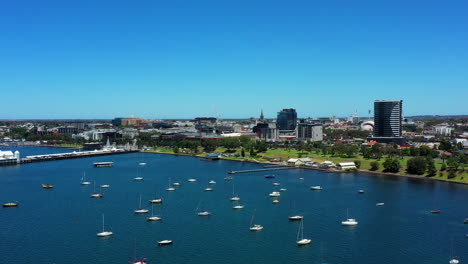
(9, 158)
(286, 120)
(309, 131)
(265, 131)
(387, 121)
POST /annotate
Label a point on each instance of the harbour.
(59, 225)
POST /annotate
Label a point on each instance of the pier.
(73, 155)
(259, 170)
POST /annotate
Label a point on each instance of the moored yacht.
(164, 242)
(317, 188)
(275, 194)
(141, 210)
(104, 233)
(349, 221)
(295, 217)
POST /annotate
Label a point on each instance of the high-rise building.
(286, 119)
(387, 121)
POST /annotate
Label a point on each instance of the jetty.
(74, 155)
(260, 170)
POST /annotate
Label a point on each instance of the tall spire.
(261, 116)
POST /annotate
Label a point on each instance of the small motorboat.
(235, 198)
(270, 176)
(142, 163)
(105, 186)
(97, 195)
(153, 218)
(316, 188)
(192, 180)
(275, 194)
(256, 228)
(276, 184)
(349, 222)
(208, 190)
(361, 191)
(10, 204)
(295, 217)
(158, 200)
(466, 221)
(436, 211)
(138, 178)
(47, 186)
(176, 184)
(283, 190)
(211, 182)
(204, 213)
(301, 179)
(170, 189)
(379, 204)
(455, 260)
(238, 207)
(275, 201)
(164, 242)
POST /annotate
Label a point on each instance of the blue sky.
(181, 59)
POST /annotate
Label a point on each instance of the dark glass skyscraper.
(286, 119)
(387, 120)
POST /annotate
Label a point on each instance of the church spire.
(261, 116)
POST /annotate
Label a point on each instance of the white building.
(8, 157)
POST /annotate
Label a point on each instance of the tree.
(416, 165)
(209, 145)
(351, 150)
(453, 162)
(242, 152)
(445, 145)
(391, 165)
(366, 152)
(431, 169)
(374, 165)
(377, 151)
(175, 149)
(357, 163)
(252, 152)
(443, 167)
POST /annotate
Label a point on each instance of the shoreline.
(368, 172)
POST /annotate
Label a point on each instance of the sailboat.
(234, 197)
(300, 240)
(238, 206)
(164, 242)
(202, 212)
(170, 188)
(253, 226)
(138, 177)
(454, 260)
(95, 194)
(153, 217)
(211, 182)
(135, 260)
(140, 210)
(104, 233)
(156, 200)
(83, 180)
(349, 221)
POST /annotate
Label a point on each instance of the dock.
(73, 155)
(260, 170)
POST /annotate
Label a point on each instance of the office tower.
(387, 121)
(286, 120)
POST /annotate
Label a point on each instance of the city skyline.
(169, 60)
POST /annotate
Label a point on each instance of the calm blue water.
(60, 225)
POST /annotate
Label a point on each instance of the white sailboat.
(238, 206)
(96, 194)
(83, 180)
(349, 221)
(104, 233)
(105, 186)
(300, 240)
(153, 217)
(253, 226)
(275, 194)
(208, 189)
(170, 188)
(316, 188)
(202, 212)
(164, 242)
(211, 182)
(140, 210)
(192, 180)
(234, 197)
(295, 217)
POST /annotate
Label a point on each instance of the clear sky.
(230, 58)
